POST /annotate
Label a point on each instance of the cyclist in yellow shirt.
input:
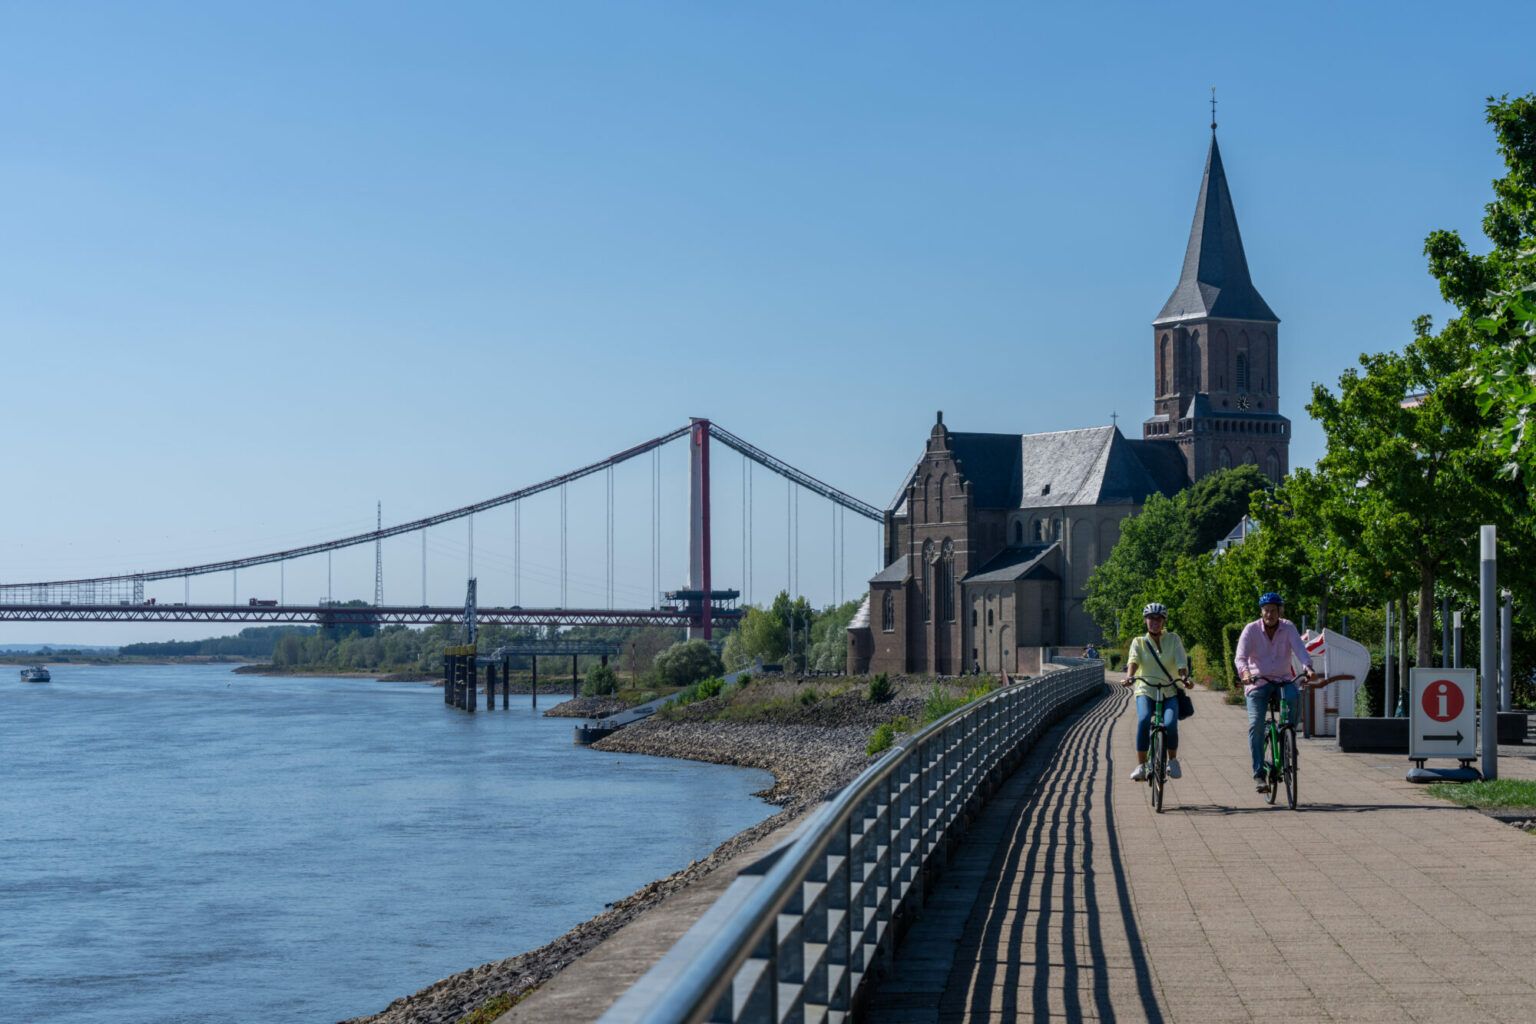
(1159, 659)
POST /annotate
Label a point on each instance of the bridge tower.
(699, 576)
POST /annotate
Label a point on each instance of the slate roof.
(991, 463)
(1016, 563)
(1214, 281)
(1093, 466)
(1096, 466)
(896, 572)
(1164, 464)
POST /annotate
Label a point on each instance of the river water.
(183, 844)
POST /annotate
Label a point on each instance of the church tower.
(1216, 388)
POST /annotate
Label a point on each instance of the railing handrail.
(688, 991)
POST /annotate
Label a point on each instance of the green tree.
(1143, 565)
(1216, 503)
(1116, 588)
(600, 682)
(1496, 292)
(760, 634)
(686, 663)
(1407, 476)
(829, 637)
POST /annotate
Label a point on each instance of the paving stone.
(1374, 903)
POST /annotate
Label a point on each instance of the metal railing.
(797, 934)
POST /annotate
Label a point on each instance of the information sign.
(1442, 713)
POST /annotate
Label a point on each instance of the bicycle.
(1280, 738)
(1157, 741)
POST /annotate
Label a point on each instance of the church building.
(991, 538)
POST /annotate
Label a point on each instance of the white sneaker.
(1174, 771)
(1140, 774)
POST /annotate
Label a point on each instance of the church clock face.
(1242, 401)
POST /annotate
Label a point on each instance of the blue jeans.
(1258, 703)
(1144, 707)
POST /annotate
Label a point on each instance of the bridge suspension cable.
(131, 584)
(789, 472)
(372, 535)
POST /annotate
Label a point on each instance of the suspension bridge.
(702, 606)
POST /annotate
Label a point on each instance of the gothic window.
(1241, 377)
(1018, 532)
(1056, 529)
(1164, 362)
(927, 581)
(939, 508)
(1224, 459)
(989, 618)
(1272, 467)
(925, 500)
(1248, 459)
(947, 581)
(888, 613)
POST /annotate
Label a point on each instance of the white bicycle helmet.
(1154, 609)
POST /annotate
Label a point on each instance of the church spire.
(1215, 281)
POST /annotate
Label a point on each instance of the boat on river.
(35, 674)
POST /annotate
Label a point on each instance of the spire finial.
(1213, 110)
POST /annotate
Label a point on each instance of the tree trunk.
(1426, 626)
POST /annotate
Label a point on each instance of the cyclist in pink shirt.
(1263, 660)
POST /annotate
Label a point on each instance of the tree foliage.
(1168, 532)
(1496, 292)
(685, 663)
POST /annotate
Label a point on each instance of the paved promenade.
(1071, 899)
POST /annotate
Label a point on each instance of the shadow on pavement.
(1051, 851)
(1217, 809)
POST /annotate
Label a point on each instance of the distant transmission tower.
(378, 562)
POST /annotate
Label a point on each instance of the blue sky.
(264, 265)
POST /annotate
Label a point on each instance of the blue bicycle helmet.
(1270, 597)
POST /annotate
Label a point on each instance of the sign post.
(1442, 722)
(1488, 610)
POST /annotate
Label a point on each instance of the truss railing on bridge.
(796, 935)
(342, 615)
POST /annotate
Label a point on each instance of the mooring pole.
(471, 682)
(1487, 593)
(506, 682)
(490, 687)
(575, 683)
(447, 679)
(534, 661)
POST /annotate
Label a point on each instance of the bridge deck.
(1072, 900)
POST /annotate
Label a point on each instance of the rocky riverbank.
(586, 707)
(812, 748)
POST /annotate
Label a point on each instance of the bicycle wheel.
(1157, 768)
(1288, 748)
(1272, 766)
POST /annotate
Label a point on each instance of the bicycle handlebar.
(1300, 679)
(1188, 681)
